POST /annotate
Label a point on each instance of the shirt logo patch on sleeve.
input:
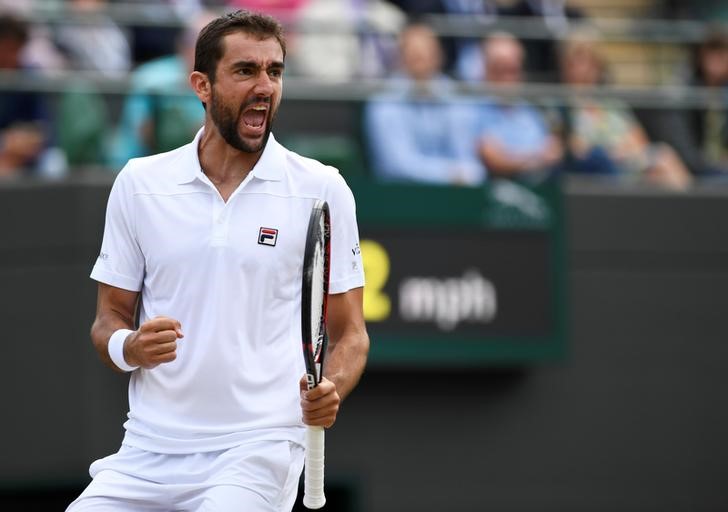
(267, 236)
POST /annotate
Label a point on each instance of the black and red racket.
(315, 290)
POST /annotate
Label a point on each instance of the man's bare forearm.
(103, 327)
(115, 310)
(348, 341)
(346, 360)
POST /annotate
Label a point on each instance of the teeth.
(259, 108)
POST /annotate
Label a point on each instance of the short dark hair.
(209, 47)
(13, 28)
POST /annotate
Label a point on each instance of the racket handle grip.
(313, 488)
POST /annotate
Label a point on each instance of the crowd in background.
(420, 127)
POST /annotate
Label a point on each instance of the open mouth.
(255, 117)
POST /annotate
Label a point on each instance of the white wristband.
(116, 349)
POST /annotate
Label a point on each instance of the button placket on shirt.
(220, 219)
(221, 214)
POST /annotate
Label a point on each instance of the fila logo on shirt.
(267, 236)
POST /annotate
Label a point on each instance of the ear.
(201, 85)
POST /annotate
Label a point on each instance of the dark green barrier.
(463, 276)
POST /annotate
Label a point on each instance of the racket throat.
(311, 381)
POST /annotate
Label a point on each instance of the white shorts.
(255, 477)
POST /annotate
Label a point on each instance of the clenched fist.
(154, 343)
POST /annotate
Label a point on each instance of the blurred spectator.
(467, 56)
(603, 136)
(96, 43)
(39, 52)
(514, 138)
(556, 18)
(701, 135)
(345, 39)
(418, 131)
(712, 60)
(157, 33)
(25, 123)
(710, 126)
(161, 111)
(463, 55)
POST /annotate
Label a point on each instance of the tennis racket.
(313, 329)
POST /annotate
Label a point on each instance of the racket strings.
(317, 299)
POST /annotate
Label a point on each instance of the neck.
(221, 162)
(226, 166)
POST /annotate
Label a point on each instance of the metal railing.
(307, 89)
(645, 30)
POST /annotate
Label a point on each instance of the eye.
(245, 71)
(276, 72)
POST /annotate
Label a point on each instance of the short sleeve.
(347, 271)
(120, 262)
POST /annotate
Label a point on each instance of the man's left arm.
(344, 362)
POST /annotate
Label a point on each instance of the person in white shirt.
(217, 398)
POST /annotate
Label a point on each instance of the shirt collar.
(270, 165)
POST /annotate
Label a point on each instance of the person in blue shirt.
(418, 130)
(514, 139)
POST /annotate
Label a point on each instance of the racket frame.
(313, 496)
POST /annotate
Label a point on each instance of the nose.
(263, 85)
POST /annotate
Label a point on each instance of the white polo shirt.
(231, 274)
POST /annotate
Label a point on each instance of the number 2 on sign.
(377, 304)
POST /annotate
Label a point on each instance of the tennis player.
(207, 241)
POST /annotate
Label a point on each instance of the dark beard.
(226, 123)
